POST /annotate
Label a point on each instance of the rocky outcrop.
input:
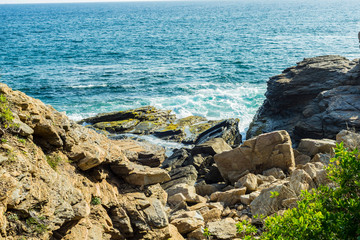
(63, 181)
(317, 98)
(163, 124)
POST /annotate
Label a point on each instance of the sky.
(65, 1)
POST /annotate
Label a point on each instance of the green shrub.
(95, 201)
(6, 115)
(329, 212)
(206, 233)
(36, 225)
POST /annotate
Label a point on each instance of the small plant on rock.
(53, 161)
(206, 233)
(246, 230)
(95, 200)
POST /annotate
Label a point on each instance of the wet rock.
(227, 130)
(256, 155)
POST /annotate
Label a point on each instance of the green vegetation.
(274, 194)
(6, 115)
(3, 140)
(53, 161)
(246, 230)
(329, 212)
(22, 140)
(36, 224)
(95, 201)
(206, 233)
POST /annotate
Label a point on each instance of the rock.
(311, 147)
(146, 113)
(300, 180)
(176, 159)
(139, 175)
(307, 108)
(275, 172)
(188, 192)
(197, 234)
(256, 155)
(174, 233)
(211, 147)
(223, 229)
(266, 205)
(230, 197)
(204, 189)
(187, 174)
(227, 130)
(248, 198)
(249, 181)
(24, 129)
(351, 139)
(187, 222)
(211, 214)
(321, 157)
(143, 152)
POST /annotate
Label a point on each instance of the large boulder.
(256, 155)
(314, 99)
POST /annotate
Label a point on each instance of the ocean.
(207, 58)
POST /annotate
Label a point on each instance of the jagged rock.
(256, 155)
(188, 192)
(187, 222)
(223, 229)
(211, 147)
(230, 197)
(204, 189)
(311, 147)
(266, 205)
(197, 234)
(139, 175)
(187, 174)
(275, 172)
(311, 109)
(249, 181)
(351, 139)
(174, 233)
(248, 198)
(300, 180)
(321, 157)
(176, 159)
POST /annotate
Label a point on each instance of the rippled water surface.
(204, 58)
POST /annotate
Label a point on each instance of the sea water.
(207, 58)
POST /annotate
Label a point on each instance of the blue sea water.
(208, 58)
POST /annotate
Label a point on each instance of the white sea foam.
(90, 86)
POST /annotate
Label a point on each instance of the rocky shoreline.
(61, 180)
